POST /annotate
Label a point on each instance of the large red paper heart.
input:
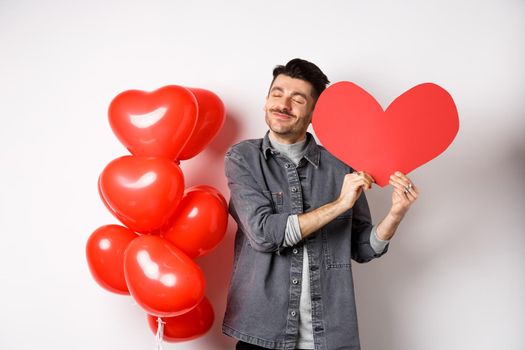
(155, 124)
(416, 127)
(142, 192)
(163, 280)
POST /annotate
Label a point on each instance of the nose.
(285, 103)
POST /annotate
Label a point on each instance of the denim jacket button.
(295, 251)
(294, 281)
(293, 313)
(294, 189)
(287, 165)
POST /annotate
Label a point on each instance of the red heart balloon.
(214, 191)
(161, 278)
(210, 120)
(105, 256)
(142, 192)
(188, 326)
(200, 222)
(155, 124)
(416, 127)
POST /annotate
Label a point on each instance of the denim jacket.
(263, 299)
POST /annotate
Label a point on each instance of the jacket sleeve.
(362, 250)
(251, 207)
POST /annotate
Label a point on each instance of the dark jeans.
(246, 346)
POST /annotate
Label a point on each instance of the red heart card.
(418, 126)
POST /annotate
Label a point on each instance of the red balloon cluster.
(166, 224)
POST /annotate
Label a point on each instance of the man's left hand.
(404, 195)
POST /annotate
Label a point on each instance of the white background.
(453, 278)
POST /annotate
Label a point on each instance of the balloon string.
(160, 333)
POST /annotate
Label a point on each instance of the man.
(302, 217)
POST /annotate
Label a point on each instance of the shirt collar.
(312, 149)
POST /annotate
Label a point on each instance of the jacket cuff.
(378, 245)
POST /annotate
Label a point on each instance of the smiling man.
(302, 216)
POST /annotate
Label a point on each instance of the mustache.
(285, 112)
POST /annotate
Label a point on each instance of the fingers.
(368, 180)
(401, 182)
(406, 195)
(360, 179)
(365, 175)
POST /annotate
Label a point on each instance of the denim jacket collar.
(312, 149)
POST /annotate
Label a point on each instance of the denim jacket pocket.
(337, 242)
(277, 201)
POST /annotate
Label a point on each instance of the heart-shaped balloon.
(200, 222)
(161, 278)
(416, 127)
(210, 120)
(105, 256)
(142, 192)
(155, 124)
(190, 325)
(212, 190)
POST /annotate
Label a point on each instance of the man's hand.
(353, 185)
(404, 195)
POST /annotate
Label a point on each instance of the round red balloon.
(200, 222)
(157, 123)
(163, 280)
(142, 192)
(105, 256)
(210, 120)
(190, 325)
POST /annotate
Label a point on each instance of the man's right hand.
(353, 185)
(351, 189)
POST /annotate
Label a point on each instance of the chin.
(280, 131)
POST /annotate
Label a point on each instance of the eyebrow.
(295, 93)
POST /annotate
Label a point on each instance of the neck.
(287, 139)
